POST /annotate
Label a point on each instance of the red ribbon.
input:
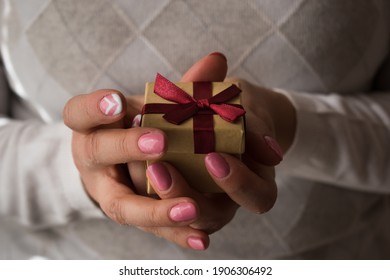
(201, 107)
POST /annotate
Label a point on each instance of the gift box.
(197, 118)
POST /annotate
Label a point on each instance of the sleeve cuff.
(308, 135)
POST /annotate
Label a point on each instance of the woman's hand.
(270, 130)
(250, 183)
(103, 144)
(102, 147)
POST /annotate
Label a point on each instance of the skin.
(107, 155)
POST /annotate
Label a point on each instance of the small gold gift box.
(195, 125)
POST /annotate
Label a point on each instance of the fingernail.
(159, 176)
(111, 105)
(220, 55)
(136, 121)
(152, 143)
(217, 165)
(196, 243)
(183, 212)
(273, 144)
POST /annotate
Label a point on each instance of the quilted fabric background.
(93, 43)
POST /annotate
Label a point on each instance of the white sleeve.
(343, 140)
(39, 184)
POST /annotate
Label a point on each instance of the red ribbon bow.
(191, 106)
(201, 107)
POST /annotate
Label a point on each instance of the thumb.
(212, 67)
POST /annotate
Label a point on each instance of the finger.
(87, 111)
(123, 206)
(137, 168)
(168, 182)
(216, 210)
(138, 176)
(186, 237)
(134, 108)
(260, 132)
(144, 211)
(210, 68)
(260, 142)
(114, 146)
(134, 104)
(256, 192)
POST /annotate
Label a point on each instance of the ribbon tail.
(225, 95)
(179, 115)
(228, 112)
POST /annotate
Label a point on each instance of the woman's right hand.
(102, 145)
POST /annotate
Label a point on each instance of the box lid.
(229, 137)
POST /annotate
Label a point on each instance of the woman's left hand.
(250, 183)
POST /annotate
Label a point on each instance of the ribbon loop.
(169, 91)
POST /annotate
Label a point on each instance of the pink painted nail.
(217, 165)
(152, 143)
(273, 144)
(183, 212)
(136, 121)
(111, 105)
(159, 176)
(196, 243)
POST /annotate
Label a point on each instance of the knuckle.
(114, 210)
(234, 189)
(66, 114)
(78, 152)
(92, 149)
(123, 145)
(90, 113)
(154, 215)
(267, 202)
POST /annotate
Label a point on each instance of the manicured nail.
(152, 143)
(217, 165)
(220, 55)
(136, 121)
(111, 105)
(183, 212)
(196, 243)
(271, 142)
(159, 176)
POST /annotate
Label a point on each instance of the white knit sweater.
(327, 56)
